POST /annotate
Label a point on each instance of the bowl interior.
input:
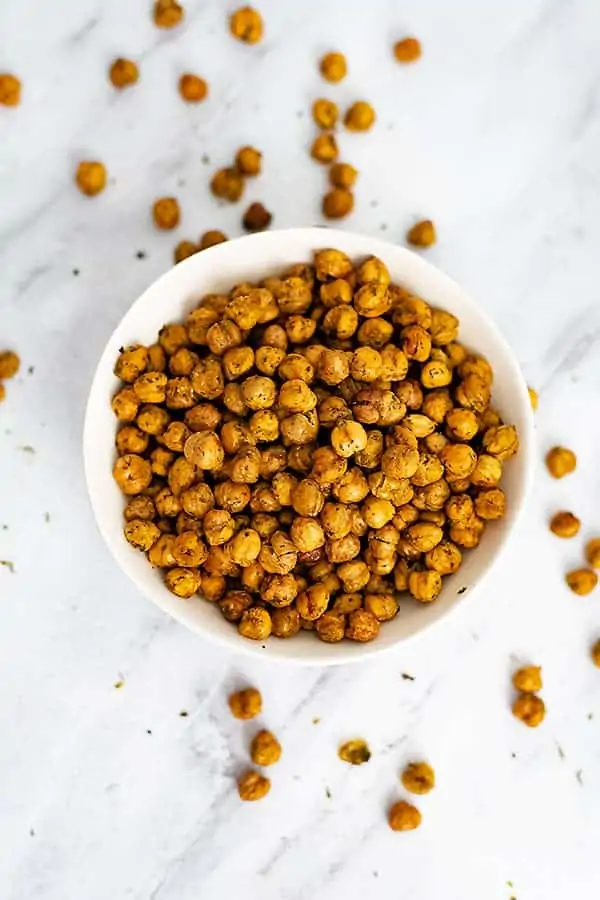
(250, 259)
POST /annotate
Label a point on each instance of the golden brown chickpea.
(462, 424)
(366, 364)
(131, 440)
(446, 558)
(188, 550)
(227, 184)
(336, 519)
(198, 323)
(132, 473)
(245, 547)
(335, 293)
(424, 536)
(377, 513)
(255, 624)
(373, 406)
(400, 461)
(160, 554)
(140, 507)
(299, 428)
(246, 25)
(307, 534)
(237, 361)
(267, 359)
(296, 396)
(172, 337)
(10, 90)
(218, 527)
(362, 626)
(342, 175)
(207, 379)
(383, 606)
(460, 509)
(205, 450)
(222, 336)
(167, 13)
(592, 553)
(167, 503)
(279, 590)
(197, 500)
(182, 475)
(249, 161)
(91, 177)
(340, 550)
(166, 213)
(325, 113)
(565, 524)
(233, 399)
(285, 622)
(528, 679)
(337, 203)
(425, 586)
(296, 366)
(347, 603)
(459, 460)
(161, 461)
(352, 487)
(410, 393)
(360, 116)
(300, 329)
(490, 504)
(182, 582)
(429, 471)
(408, 50)
(258, 392)
(123, 73)
(330, 627)
(125, 404)
(232, 605)
(151, 387)
(405, 516)
(473, 392)
(141, 534)
(529, 709)
(340, 322)
(212, 587)
(403, 816)
(582, 581)
(245, 704)
(192, 88)
(559, 460)
(265, 749)
(333, 67)
(182, 362)
(488, 471)
(354, 575)
(348, 438)
(179, 393)
(312, 603)
(468, 535)
(372, 300)
(280, 556)
(253, 786)
(422, 234)
(324, 148)
(264, 426)
(327, 467)
(418, 778)
(444, 329)
(129, 366)
(416, 343)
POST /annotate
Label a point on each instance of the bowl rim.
(323, 654)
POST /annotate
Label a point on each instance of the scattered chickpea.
(227, 184)
(245, 704)
(91, 178)
(528, 680)
(403, 816)
(422, 234)
(407, 50)
(10, 90)
(560, 462)
(256, 218)
(565, 525)
(192, 88)
(530, 709)
(167, 13)
(418, 778)
(592, 553)
(359, 117)
(595, 653)
(582, 581)
(246, 25)
(355, 752)
(325, 113)
(183, 250)
(343, 175)
(123, 73)
(324, 148)
(9, 365)
(333, 67)
(248, 161)
(337, 203)
(253, 786)
(166, 213)
(265, 749)
(212, 238)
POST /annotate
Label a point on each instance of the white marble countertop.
(109, 793)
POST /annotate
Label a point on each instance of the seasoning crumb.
(461, 590)
(328, 793)
(316, 720)
(408, 677)
(8, 564)
(355, 752)
(148, 731)
(31, 370)
(560, 751)
(590, 716)
(27, 449)
(183, 714)
(579, 776)
(119, 684)
(141, 254)
(31, 832)
(75, 272)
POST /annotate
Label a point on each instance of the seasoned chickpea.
(140, 507)
(337, 203)
(422, 234)
(354, 575)
(445, 558)
(372, 300)
(462, 424)
(383, 606)
(352, 487)
(166, 213)
(222, 336)
(249, 161)
(279, 590)
(330, 627)
(502, 442)
(416, 343)
(182, 362)
(125, 404)
(167, 13)
(232, 605)
(403, 816)
(377, 513)
(366, 364)
(425, 586)
(160, 554)
(327, 467)
(255, 624)
(189, 550)
(362, 626)
(213, 587)
(324, 148)
(280, 556)
(348, 438)
(257, 217)
(131, 440)
(192, 88)
(265, 749)
(296, 396)
(582, 581)
(237, 361)
(132, 473)
(205, 450)
(182, 582)
(151, 387)
(307, 534)
(459, 460)
(312, 603)
(340, 550)
(340, 322)
(246, 25)
(332, 264)
(307, 498)
(592, 553)
(488, 471)
(336, 519)
(91, 177)
(460, 509)
(473, 392)
(530, 709)
(565, 525)
(227, 184)
(130, 365)
(285, 622)
(360, 116)
(490, 504)
(264, 426)
(342, 175)
(141, 534)
(325, 113)
(400, 461)
(528, 679)
(211, 238)
(408, 50)
(559, 460)
(10, 90)
(253, 786)
(424, 536)
(258, 392)
(245, 704)
(267, 359)
(333, 67)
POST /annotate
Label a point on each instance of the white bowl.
(250, 259)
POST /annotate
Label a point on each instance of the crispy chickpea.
(488, 471)
(232, 605)
(265, 749)
(336, 519)
(257, 217)
(132, 473)
(167, 503)
(559, 460)
(285, 622)
(279, 590)
(299, 428)
(418, 778)
(141, 534)
(352, 487)
(267, 359)
(188, 550)
(394, 364)
(246, 25)
(280, 556)
(360, 116)
(459, 460)
(160, 554)
(354, 575)
(123, 73)
(167, 13)
(502, 442)
(312, 603)
(366, 364)
(140, 507)
(151, 387)
(424, 536)
(264, 426)
(335, 293)
(307, 498)
(592, 553)
(565, 525)
(161, 461)
(340, 322)
(446, 558)
(333, 67)
(429, 471)
(348, 438)
(377, 513)
(234, 400)
(197, 500)
(408, 50)
(10, 90)
(213, 587)
(425, 586)
(325, 113)
(192, 88)
(460, 509)
(205, 450)
(296, 396)
(198, 323)
(211, 238)
(182, 475)
(416, 343)
(253, 786)
(347, 603)
(435, 374)
(342, 175)
(131, 440)
(166, 213)
(473, 392)
(307, 534)
(324, 148)
(218, 527)
(340, 550)
(237, 361)
(179, 393)
(222, 336)
(9, 364)
(490, 504)
(528, 680)
(462, 424)
(529, 709)
(330, 627)
(582, 581)
(362, 626)
(182, 362)
(182, 582)
(91, 177)
(422, 234)
(245, 704)
(332, 264)
(410, 393)
(255, 624)
(227, 184)
(372, 300)
(383, 606)
(249, 161)
(172, 337)
(258, 392)
(400, 461)
(403, 816)
(595, 653)
(467, 536)
(327, 467)
(337, 203)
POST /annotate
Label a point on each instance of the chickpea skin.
(560, 461)
(333, 67)
(91, 178)
(246, 25)
(192, 88)
(265, 749)
(166, 213)
(528, 680)
(362, 626)
(123, 73)
(530, 709)
(253, 786)
(403, 816)
(359, 117)
(418, 778)
(422, 234)
(581, 581)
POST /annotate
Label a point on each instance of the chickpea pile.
(304, 451)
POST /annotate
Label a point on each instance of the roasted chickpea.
(340, 550)
(312, 603)
(325, 113)
(192, 88)
(188, 550)
(528, 679)
(488, 471)
(582, 581)
(418, 778)
(91, 177)
(400, 461)
(408, 50)
(132, 473)
(258, 392)
(592, 553)
(285, 622)
(372, 300)
(422, 234)
(131, 440)
(403, 816)
(342, 175)
(265, 749)
(167, 13)
(160, 554)
(257, 217)
(529, 709)
(279, 590)
(416, 343)
(459, 460)
(249, 161)
(565, 525)
(336, 519)
(227, 184)
(359, 117)
(490, 504)
(330, 627)
(166, 213)
(462, 424)
(280, 556)
(383, 606)
(141, 534)
(327, 467)
(424, 536)
(10, 90)
(130, 365)
(352, 487)
(213, 587)
(348, 438)
(245, 704)
(232, 605)
(338, 202)
(332, 264)
(253, 786)
(340, 322)
(445, 558)
(255, 624)
(307, 534)
(125, 404)
(324, 148)
(246, 25)
(559, 460)
(182, 582)
(333, 67)
(362, 626)
(425, 586)
(205, 450)
(140, 507)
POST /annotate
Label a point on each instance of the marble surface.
(110, 793)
